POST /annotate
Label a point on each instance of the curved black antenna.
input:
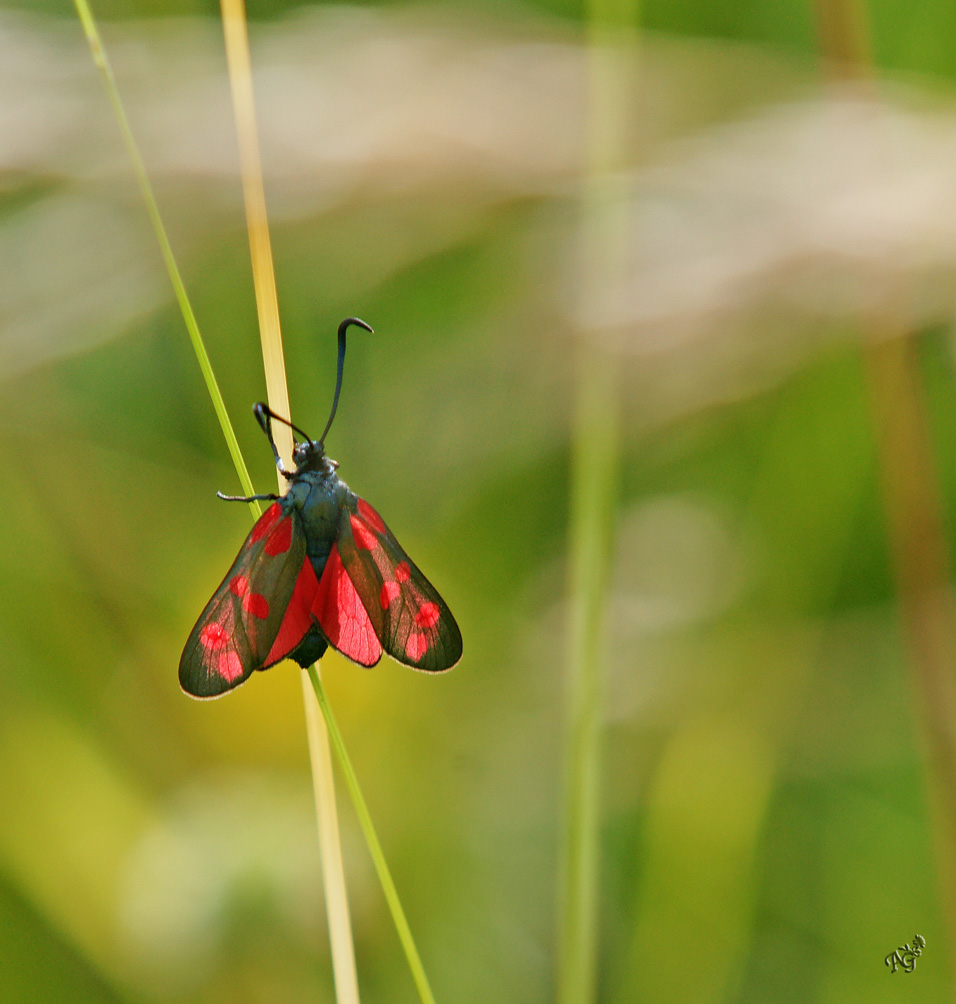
(343, 327)
(264, 416)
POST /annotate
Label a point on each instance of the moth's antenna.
(264, 416)
(343, 327)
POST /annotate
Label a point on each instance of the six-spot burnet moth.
(319, 568)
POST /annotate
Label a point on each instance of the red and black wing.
(409, 618)
(259, 613)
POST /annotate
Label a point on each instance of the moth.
(320, 568)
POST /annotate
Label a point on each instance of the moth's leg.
(248, 498)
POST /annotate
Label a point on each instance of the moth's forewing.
(236, 632)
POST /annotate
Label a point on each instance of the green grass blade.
(152, 209)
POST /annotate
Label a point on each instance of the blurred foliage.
(765, 828)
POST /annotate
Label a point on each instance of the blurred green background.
(765, 834)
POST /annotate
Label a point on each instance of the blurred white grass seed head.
(749, 228)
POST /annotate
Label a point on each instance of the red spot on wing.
(370, 516)
(229, 665)
(341, 615)
(416, 646)
(214, 636)
(403, 572)
(266, 522)
(364, 537)
(239, 585)
(390, 591)
(280, 539)
(427, 615)
(257, 605)
(297, 618)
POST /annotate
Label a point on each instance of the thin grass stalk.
(139, 169)
(236, 34)
(913, 498)
(371, 839)
(593, 511)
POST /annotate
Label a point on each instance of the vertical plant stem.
(333, 871)
(593, 511)
(913, 505)
(375, 848)
(139, 169)
(912, 496)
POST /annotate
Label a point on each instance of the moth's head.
(306, 452)
(311, 456)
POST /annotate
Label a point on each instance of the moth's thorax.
(320, 496)
(316, 487)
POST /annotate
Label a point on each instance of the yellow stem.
(240, 79)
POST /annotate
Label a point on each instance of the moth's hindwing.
(410, 619)
(342, 614)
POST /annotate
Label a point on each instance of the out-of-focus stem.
(920, 557)
(593, 510)
(913, 499)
